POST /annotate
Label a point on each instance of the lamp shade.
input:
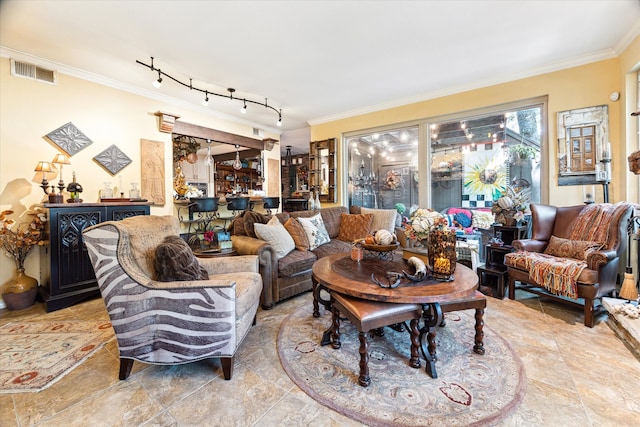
(61, 159)
(43, 167)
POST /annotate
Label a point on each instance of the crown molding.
(453, 90)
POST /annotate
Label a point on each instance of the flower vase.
(20, 292)
(509, 217)
(441, 252)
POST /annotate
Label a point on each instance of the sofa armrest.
(529, 245)
(235, 264)
(597, 259)
(268, 265)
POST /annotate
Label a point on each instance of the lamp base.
(56, 198)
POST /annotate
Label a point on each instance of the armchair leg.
(227, 367)
(512, 288)
(589, 319)
(125, 368)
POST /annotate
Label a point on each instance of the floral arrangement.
(422, 222)
(513, 202)
(18, 241)
(208, 236)
(393, 180)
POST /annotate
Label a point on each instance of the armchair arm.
(597, 259)
(529, 245)
(189, 284)
(233, 264)
(268, 265)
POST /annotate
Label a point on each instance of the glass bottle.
(107, 192)
(134, 193)
(316, 203)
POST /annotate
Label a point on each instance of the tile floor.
(577, 376)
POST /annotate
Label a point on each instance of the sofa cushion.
(587, 276)
(353, 227)
(298, 234)
(316, 232)
(249, 218)
(576, 249)
(335, 246)
(174, 261)
(296, 262)
(383, 219)
(276, 235)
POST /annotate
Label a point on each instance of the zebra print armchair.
(169, 323)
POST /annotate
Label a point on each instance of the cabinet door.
(117, 213)
(71, 267)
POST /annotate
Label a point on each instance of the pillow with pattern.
(175, 261)
(316, 231)
(276, 235)
(353, 227)
(575, 249)
(298, 234)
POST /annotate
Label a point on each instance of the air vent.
(258, 132)
(33, 72)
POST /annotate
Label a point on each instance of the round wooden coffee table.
(338, 273)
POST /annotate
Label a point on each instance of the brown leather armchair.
(600, 275)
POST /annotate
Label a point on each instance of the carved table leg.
(479, 338)
(316, 307)
(335, 329)
(432, 315)
(364, 380)
(414, 361)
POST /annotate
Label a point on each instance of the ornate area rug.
(34, 355)
(471, 389)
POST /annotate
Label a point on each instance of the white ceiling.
(316, 60)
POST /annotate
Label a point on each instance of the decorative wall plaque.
(69, 138)
(152, 171)
(112, 159)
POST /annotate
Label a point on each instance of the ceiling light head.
(157, 83)
(280, 118)
(205, 101)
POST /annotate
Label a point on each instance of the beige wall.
(578, 87)
(30, 109)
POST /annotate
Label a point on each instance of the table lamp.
(61, 159)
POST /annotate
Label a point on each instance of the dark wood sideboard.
(66, 274)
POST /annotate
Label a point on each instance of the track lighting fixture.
(158, 82)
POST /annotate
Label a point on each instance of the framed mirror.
(322, 160)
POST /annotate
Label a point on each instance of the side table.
(494, 273)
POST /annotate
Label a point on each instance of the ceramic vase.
(20, 292)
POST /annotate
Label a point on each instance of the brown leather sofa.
(291, 275)
(596, 280)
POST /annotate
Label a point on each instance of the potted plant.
(522, 152)
(18, 241)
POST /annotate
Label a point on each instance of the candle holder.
(441, 252)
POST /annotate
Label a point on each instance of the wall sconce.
(61, 159)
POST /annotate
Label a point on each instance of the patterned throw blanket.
(559, 275)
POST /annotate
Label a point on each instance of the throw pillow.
(482, 219)
(354, 227)
(251, 218)
(383, 219)
(298, 234)
(276, 235)
(462, 219)
(576, 249)
(237, 225)
(174, 261)
(315, 230)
